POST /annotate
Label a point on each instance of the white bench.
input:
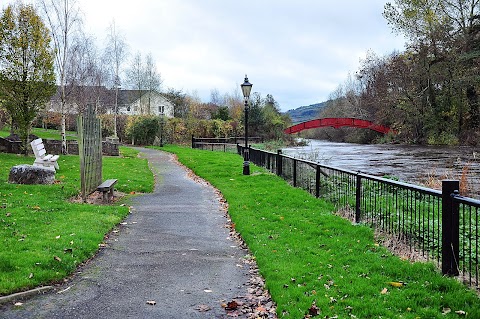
(41, 157)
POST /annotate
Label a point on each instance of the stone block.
(29, 174)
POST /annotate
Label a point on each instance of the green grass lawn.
(44, 237)
(43, 133)
(307, 254)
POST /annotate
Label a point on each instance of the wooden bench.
(107, 189)
(41, 157)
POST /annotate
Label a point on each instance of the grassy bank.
(310, 256)
(43, 235)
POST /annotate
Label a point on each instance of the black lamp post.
(246, 89)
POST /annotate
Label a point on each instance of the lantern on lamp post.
(246, 89)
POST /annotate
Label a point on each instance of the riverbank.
(421, 165)
(315, 262)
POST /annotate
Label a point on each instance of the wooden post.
(90, 152)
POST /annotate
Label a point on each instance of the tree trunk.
(472, 98)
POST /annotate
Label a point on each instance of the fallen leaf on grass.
(203, 308)
(384, 291)
(30, 276)
(57, 237)
(57, 258)
(151, 302)
(446, 311)
(461, 312)
(314, 310)
(397, 284)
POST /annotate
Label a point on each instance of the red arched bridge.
(337, 122)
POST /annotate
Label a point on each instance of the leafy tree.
(221, 113)
(445, 50)
(27, 78)
(143, 129)
(179, 100)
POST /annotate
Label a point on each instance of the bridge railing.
(432, 225)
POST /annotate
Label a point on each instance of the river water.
(422, 165)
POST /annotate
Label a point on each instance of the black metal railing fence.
(222, 144)
(440, 225)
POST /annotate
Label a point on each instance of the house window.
(161, 109)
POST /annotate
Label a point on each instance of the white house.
(130, 102)
(134, 102)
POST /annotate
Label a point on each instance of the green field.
(43, 133)
(309, 255)
(44, 235)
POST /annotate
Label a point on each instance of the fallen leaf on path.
(18, 304)
(151, 302)
(203, 308)
(232, 305)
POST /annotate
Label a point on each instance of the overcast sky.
(298, 51)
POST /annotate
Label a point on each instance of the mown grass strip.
(44, 236)
(307, 254)
(43, 133)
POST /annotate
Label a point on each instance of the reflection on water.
(425, 165)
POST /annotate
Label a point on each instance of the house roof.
(106, 96)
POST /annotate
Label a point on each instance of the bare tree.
(116, 53)
(153, 80)
(63, 18)
(136, 77)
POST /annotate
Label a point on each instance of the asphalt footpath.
(171, 258)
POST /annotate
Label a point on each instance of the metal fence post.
(317, 181)
(358, 197)
(294, 173)
(193, 141)
(450, 228)
(279, 163)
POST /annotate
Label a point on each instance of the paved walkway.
(174, 250)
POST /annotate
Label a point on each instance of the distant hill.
(305, 113)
